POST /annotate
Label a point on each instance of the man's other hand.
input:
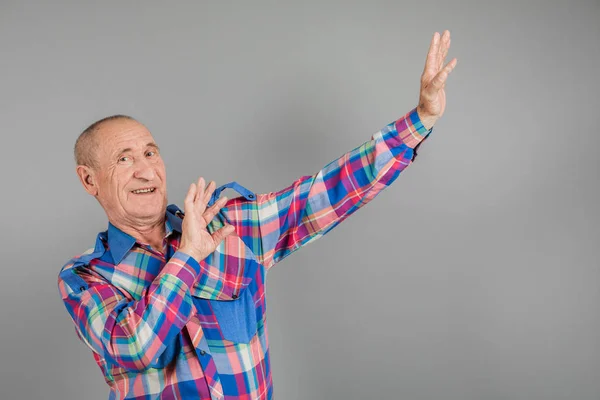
(195, 239)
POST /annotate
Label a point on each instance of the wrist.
(427, 120)
(190, 252)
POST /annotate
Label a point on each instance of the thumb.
(222, 233)
(439, 80)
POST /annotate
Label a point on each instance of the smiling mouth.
(144, 191)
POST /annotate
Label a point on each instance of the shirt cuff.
(411, 130)
(184, 266)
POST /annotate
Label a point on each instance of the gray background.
(474, 276)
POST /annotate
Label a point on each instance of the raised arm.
(276, 224)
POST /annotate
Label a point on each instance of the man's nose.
(144, 169)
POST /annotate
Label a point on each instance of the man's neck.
(148, 234)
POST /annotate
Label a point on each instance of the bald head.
(86, 143)
(119, 163)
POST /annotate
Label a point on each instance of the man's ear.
(87, 177)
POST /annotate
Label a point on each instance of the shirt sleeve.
(129, 333)
(278, 223)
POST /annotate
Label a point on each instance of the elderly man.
(174, 307)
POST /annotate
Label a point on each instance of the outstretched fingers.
(210, 188)
(431, 62)
(201, 199)
(439, 81)
(188, 202)
(211, 211)
(443, 49)
(197, 199)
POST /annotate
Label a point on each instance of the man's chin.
(149, 213)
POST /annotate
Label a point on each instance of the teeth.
(143, 191)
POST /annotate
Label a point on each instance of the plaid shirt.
(162, 325)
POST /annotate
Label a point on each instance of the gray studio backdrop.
(474, 276)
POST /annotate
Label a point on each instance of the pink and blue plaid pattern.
(162, 325)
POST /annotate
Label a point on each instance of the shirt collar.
(120, 242)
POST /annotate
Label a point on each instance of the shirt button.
(202, 352)
(234, 296)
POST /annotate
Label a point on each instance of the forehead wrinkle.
(123, 131)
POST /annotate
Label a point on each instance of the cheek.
(118, 181)
(161, 172)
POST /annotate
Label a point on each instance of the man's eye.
(151, 153)
(124, 159)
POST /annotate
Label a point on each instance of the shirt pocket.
(236, 318)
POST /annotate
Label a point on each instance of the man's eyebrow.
(150, 144)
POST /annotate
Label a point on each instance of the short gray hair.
(86, 142)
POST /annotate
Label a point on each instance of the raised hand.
(195, 239)
(432, 98)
